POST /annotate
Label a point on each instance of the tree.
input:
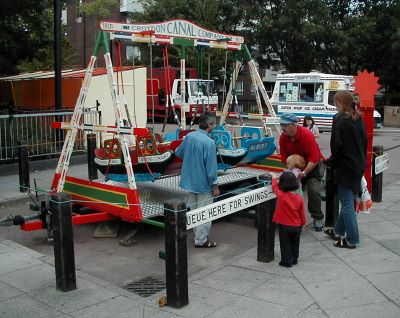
(98, 9)
(26, 36)
(297, 32)
(367, 38)
(332, 36)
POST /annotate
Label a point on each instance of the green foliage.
(43, 60)
(98, 9)
(26, 36)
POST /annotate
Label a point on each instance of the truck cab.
(199, 93)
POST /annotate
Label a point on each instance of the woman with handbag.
(348, 154)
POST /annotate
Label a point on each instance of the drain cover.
(146, 286)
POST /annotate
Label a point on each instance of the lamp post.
(57, 54)
(57, 69)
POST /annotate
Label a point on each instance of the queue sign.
(381, 163)
(228, 206)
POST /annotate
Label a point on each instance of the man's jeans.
(194, 201)
(346, 224)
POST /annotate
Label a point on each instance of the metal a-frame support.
(102, 40)
(244, 56)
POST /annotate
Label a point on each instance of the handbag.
(363, 201)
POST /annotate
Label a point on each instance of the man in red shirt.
(300, 140)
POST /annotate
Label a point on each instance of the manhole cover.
(146, 286)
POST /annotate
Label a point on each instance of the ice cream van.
(312, 94)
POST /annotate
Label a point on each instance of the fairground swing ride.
(133, 199)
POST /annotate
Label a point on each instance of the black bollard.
(23, 168)
(176, 266)
(91, 146)
(64, 258)
(331, 199)
(377, 179)
(266, 228)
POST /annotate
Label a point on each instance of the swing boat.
(134, 200)
(146, 155)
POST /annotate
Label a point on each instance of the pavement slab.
(328, 282)
(32, 278)
(344, 292)
(392, 244)
(385, 309)
(375, 263)
(85, 295)
(25, 306)
(282, 290)
(116, 305)
(7, 291)
(327, 269)
(203, 301)
(379, 228)
(11, 261)
(387, 283)
(234, 279)
(248, 307)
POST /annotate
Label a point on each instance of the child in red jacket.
(290, 215)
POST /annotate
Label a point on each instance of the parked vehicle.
(312, 94)
(164, 91)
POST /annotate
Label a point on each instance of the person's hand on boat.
(215, 190)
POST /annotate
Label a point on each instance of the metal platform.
(154, 194)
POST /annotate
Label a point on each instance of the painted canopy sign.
(173, 28)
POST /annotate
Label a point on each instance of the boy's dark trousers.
(289, 239)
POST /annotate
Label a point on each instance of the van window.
(331, 100)
(301, 92)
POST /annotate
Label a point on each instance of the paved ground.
(327, 282)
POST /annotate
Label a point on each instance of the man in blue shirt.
(199, 172)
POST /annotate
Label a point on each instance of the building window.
(239, 88)
(253, 89)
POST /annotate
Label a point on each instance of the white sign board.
(175, 28)
(228, 206)
(272, 120)
(381, 163)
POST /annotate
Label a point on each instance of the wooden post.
(266, 228)
(91, 146)
(64, 259)
(23, 168)
(176, 267)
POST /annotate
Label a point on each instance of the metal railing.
(34, 130)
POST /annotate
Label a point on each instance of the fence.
(35, 131)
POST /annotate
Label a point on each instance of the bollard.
(91, 146)
(23, 168)
(331, 198)
(176, 266)
(266, 228)
(377, 179)
(64, 259)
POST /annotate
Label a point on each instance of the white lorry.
(312, 94)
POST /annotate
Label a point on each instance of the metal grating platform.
(154, 194)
